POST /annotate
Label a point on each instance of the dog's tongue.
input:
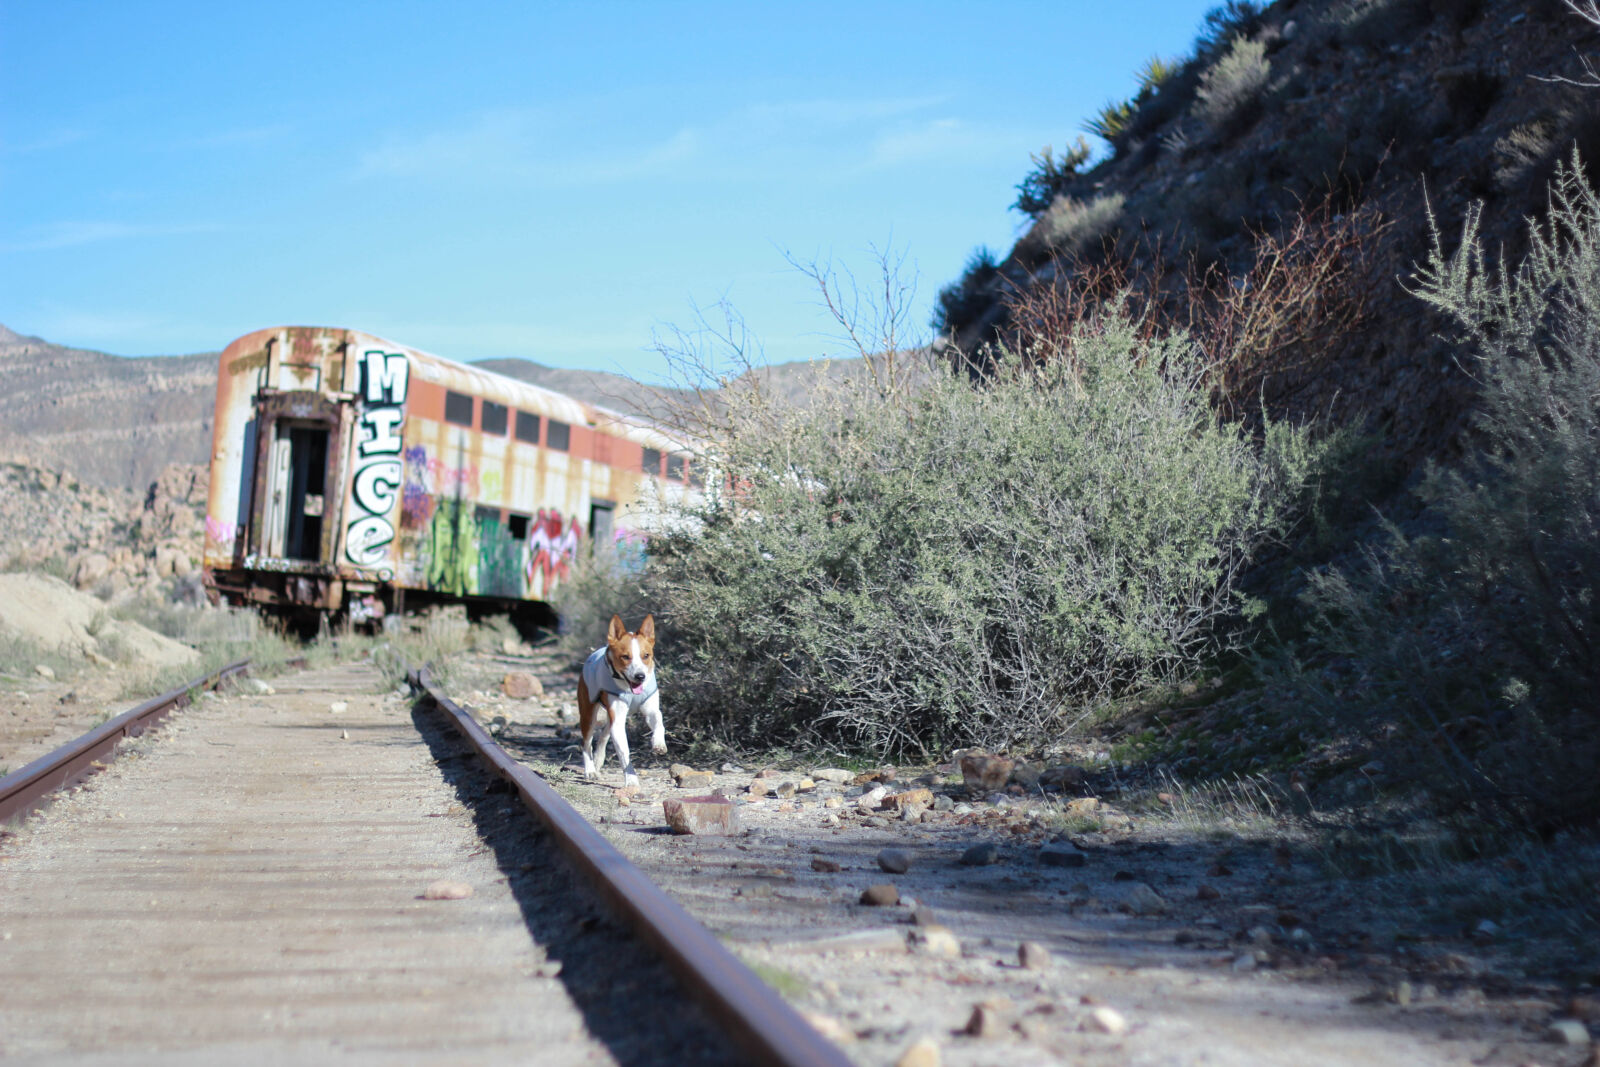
(639, 688)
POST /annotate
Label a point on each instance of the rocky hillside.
(1283, 173)
(114, 421)
(105, 541)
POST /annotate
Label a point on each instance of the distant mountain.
(591, 386)
(114, 421)
(117, 421)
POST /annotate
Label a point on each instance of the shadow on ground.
(629, 1000)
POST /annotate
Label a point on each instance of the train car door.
(602, 523)
(296, 490)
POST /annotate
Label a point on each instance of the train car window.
(518, 526)
(458, 408)
(528, 427)
(494, 417)
(558, 435)
(652, 462)
(675, 468)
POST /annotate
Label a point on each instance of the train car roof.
(465, 378)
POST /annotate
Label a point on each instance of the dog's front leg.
(658, 730)
(619, 738)
(594, 745)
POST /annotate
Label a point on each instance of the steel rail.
(759, 1020)
(22, 790)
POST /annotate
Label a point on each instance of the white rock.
(1108, 1021)
(1569, 1032)
(339, 706)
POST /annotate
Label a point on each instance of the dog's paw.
(630, 781)
(658, 747)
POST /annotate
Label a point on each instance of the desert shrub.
(963, 301)
(1229, 94)
(1469, 638)
(1071, 226)
(906, 570)
(1379, 23)
(599, 584)
(1224, 24)
(1051, 176)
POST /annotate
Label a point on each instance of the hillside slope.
(1369, 109)
(114, 421)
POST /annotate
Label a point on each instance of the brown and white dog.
(618, 677)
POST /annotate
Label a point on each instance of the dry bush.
(911, 563)
(1469, 642)
(1230, 91)
(1308, 284)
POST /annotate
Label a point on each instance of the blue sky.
(551, 181)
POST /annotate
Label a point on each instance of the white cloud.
(72, 233)
(545, 147)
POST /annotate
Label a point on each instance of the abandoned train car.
(348, 472)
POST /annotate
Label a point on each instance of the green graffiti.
(499, 557)
(453, 549)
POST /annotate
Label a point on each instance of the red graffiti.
(551, 550)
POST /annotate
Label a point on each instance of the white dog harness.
(598, 678)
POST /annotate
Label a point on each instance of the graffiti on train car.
(550, 552)
(451, 543)
(379, 472)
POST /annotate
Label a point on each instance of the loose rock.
(447, 890)
(981, 855)
(923, 1052)
(822, 866)
(701, 815)
(1108, 1021)
(828, 1027)
(935, 939)
(990, 1018)
(521, 685)
(911, 798)
(1142, 900)
(1033, 956)
(1062, 854)
(881, 896)
(894, 861)
(984, 772)
(833, 774)
(1569, 1032)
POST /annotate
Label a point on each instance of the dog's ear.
(647, 629)
(617, 630)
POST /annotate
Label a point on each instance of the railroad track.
(258, 888)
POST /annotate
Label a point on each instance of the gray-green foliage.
(910, 569)
(1071, 226)
(1478, 640)
(1233, 85)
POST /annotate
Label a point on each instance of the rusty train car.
(349, 472)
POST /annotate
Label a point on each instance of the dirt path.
(247, 886)
(1145, 967)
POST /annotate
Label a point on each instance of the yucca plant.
(1111, 122)
(1155, 73)
(1050, 177)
